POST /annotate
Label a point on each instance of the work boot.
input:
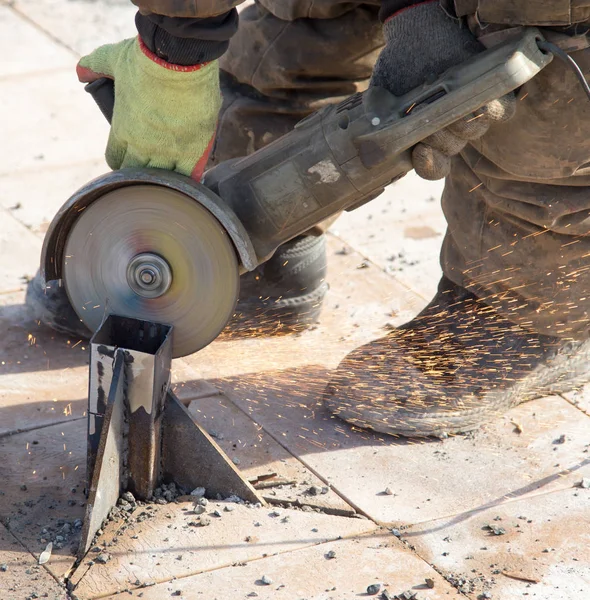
(457, 365)
(50, 305)
(286, 293)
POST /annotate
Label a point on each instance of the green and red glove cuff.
(87, 75)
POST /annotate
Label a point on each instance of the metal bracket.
(139, 433)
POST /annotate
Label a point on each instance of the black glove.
(422, 43)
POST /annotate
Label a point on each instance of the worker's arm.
(422, 42)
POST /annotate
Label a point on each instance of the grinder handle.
(103, 93)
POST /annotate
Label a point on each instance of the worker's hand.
(165, 115)
(422, 43)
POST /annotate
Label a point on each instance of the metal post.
(139, 433)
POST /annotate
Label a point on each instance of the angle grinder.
(158, 246)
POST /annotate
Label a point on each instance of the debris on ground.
(3, 567)
(265, 580)
(46, 554)
(407, 595)
(520, 577)
(584, 484)
(561, 439)
(494, 529)
(330, 554)
(373, 589)
(388, 492)
(429, 583)
(199, 492)
(103, 558)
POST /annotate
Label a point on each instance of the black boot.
(50, 305)
(285, 293)
(457, 365)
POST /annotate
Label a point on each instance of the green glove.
(165, 115)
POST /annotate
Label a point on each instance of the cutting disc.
(152, 253)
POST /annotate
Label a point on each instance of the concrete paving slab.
(18, 242)
(401, 231)
(33, 198)
(36, 52)
(534, 548)
(427, 479)
(580, 398)
(43, 375)
(162, 545)
(262, 460)
(53, 123)
(20, 575)
(361, 303)
(82, 26)
(309, 574)
(42, 479)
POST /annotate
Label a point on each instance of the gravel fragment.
(265, 580)
(374, 589)
(229, 508)
(330, 554)
(3, 567)
(314, 490)
(584, 484)
(429, 583)
(387, 491)
(46, 554)
(129, 497)
(199, 492)
(561, 439)
(103, 558)
(495, 529)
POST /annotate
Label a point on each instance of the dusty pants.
(517, 202)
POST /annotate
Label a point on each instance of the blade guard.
(52, 254)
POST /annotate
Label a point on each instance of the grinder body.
(344, 155)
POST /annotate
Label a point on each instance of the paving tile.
(167, 547)
(428, 479)
(39, 470)
(82, 25)
(33, 198)
(53, 123)
(24, 250)
(546, 540)
(308, 574)
(258, 456)
(43, 375)
(23, 577)
(401, 231)
(580, 398)
(358, 307)
(36, 51)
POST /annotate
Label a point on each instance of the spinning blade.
(152, 253)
